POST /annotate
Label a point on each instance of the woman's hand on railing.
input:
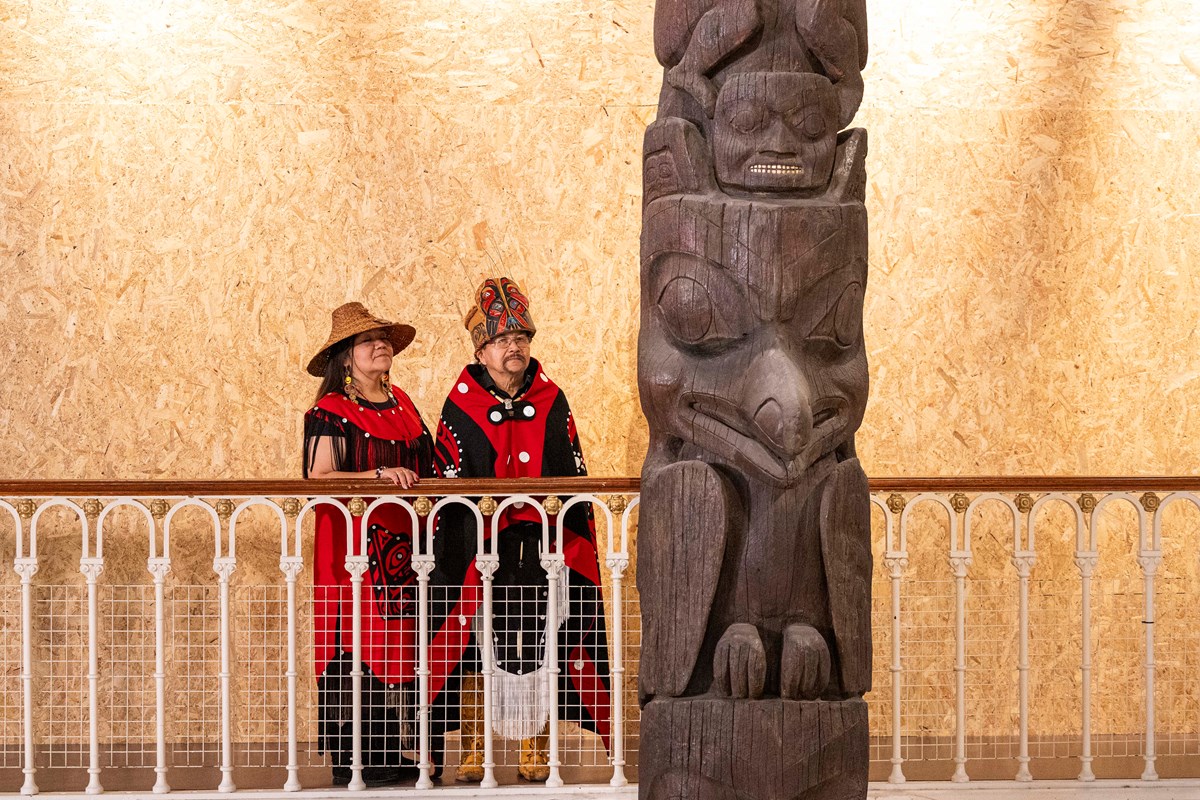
(404, 478)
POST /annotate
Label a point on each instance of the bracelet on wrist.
(378, 473)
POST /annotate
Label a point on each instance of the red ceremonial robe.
(534, 435)
(366, 436)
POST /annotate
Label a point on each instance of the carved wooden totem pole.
(754, 551)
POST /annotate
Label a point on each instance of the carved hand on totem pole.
(754, 548)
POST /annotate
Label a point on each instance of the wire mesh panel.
(631, 657)
(61, 621)
(193, 686)
(880, 699)
(11, 691)
(1055, 644)
(1118, 675)
(260, 675)
(992, 628)
(1177, 636)
(128, 710)
(61, 662)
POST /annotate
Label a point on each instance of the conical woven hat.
(352, 319)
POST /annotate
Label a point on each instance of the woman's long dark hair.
(335, 370)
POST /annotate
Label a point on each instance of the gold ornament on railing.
(422, 506)
(552, 505)
(1150, 502)
(92, 508)
(26, 508)
(1024, 502)
(224, 509)
(487, 506)
(617, 504)
(959, 502)
(357, 507)
(159, 508)
(1087, 502)
(896, 503)
(291, 507)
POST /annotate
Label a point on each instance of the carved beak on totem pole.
(761, 361)
(775, 131)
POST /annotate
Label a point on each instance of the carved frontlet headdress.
(500, 306)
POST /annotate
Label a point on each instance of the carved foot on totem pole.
(787, 749)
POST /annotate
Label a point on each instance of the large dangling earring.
(351, 392)
(387, 387)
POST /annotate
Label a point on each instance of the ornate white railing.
(1015, 628)
(1126, 527)
(290, 505)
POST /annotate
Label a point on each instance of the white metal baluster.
(553, 564)
(959, 561)
(26, 567)
(618, 562)
(1024, 562)
(91, 567)
(487, 563)
(292, 567)
(356, 565)
(224, 567)
(1149, 560)
(423, 564)
(159, 568)
(1086, 559)
(1086, 562)
(896, 560)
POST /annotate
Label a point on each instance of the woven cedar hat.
(500, 306)
(352, 319)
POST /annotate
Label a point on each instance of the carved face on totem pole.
(758, 354)
(775, 131)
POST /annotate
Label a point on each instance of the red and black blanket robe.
(366, 436)
(532, 435)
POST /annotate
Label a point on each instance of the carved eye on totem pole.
(775, 131)
(760, 360)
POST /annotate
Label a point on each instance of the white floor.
(976, 790)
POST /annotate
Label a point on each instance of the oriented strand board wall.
(188, 187)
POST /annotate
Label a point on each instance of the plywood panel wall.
(187, 188)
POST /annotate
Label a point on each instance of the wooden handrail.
(565, 486)
(333, 488)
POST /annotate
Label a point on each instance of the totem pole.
(754, 548)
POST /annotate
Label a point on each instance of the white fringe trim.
(520, 703)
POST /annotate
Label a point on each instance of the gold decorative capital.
(487, 506)
(1087, 502)
(91, 508)
(224, 509)
(617, 503)
(423, 505)
(26, 508)
(159, 508)
(959, 502)
(291, 507)
(357, 506)
(1024, 502)
(896, 503)
(552, 505)
(1150, 502)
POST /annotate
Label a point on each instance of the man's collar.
(480, 373)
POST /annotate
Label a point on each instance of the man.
(505, 418)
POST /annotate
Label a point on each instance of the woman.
(363, 427)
